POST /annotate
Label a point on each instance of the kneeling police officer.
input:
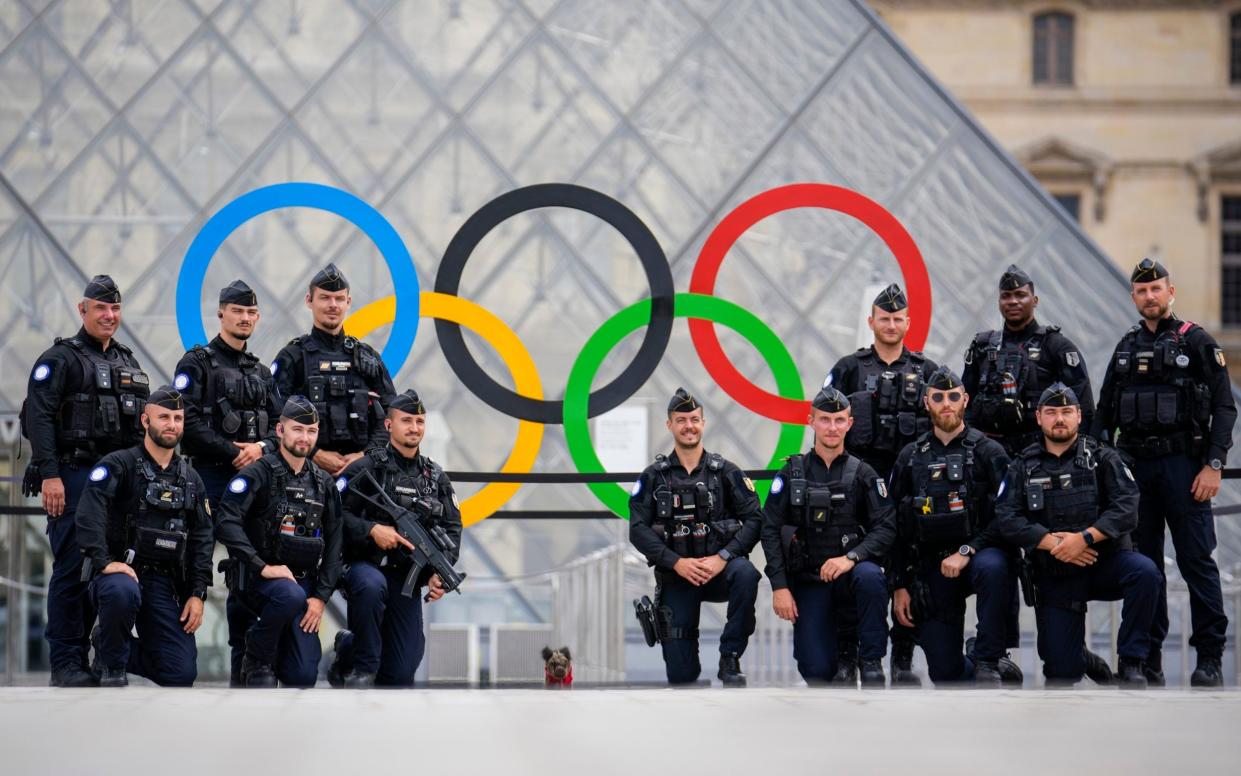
(827, 524)
(145, 530)
(280, 520)
(695, 517)
(1071, 504)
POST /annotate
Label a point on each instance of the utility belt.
(1177, 443)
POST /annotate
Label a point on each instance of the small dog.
(557, 667)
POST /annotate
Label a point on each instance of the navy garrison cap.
(944, 379)
(891, 299)
(102, 288)
(1148, 271)
(1014, 278)
(238, 292)
(330, 278)
(408, 402)
(682, 401)
(1058, 395)
(167, 397)
(828, 399)
(299, 410)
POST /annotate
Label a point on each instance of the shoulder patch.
(41, 372)
(882, 487)
(342, 483)
(238, 485)
(1072, 358)
(275, 365)
(99, 474)
(1000, 492)
(1219, 358)
(455, 503)
(1128, 473)
(777, 485)
(749, 483)
(181, 381)
(827, 381)
(207, 507)
(637, 487)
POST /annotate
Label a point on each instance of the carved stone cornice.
(1057, 159)
(1219, 165)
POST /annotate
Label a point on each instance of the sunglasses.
(938, 396)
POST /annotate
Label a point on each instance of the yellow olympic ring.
(520, 365)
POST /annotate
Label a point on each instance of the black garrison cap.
(682, 401)
(828, 399)
(1148, 271)
(1058, 395)
(1014, 278)
(944, 379)
(102, 288)
(330, 278)
(167, 397)
(408, 402)
(299, 410)
(891, 299)
(238, 292)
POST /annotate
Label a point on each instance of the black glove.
(32, 483)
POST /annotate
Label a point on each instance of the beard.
(1060, 433)
(160, 441)
(947, 423)
(295, 452)
(243, 335)
(1159, 311)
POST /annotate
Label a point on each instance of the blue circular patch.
(827, 381)
(99, 474)
(275, 365)
(238, 485)
(181, 381)
(342, 483)
(777, 485)
(636, 489)
(41, 372)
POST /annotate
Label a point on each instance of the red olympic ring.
(796, 195)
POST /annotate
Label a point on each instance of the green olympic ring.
(634, 317)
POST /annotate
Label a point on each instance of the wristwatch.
(851, 555)
(1216, 464)
(1088, 536)
(966, 550)
(726, 555)
(201, 594)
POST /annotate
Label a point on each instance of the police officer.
(827, 524)
(944, 486)
(884, 383)
(1008, 369)
(230, 413)
(84, 400)
(1167, 402)
(343, 377)
(1071, 503)
(385, 643)
(696, 518)
(280, 519)
(146, 532)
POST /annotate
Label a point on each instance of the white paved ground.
(637, 732)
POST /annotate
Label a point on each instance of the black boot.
(1097, 668)
(256, 673)
(336, 673)
(872, 673)
(1209, 672)
(1131, 674)
(846, 664)
(902, 664)
(987, 674)
(730, 670)
(1154, 667)
(113, 677)
(358, 680)
(1010, 672)
(72, 677)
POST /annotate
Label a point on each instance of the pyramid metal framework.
(125, 124)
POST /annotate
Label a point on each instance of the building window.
(1053, 49)
(1234, 49)
(1230, 259)
(1072, 204)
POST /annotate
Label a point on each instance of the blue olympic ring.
(313, 195)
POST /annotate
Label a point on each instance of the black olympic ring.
(654, 264)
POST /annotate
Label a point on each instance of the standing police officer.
(280, 519)
(1167, 402)
(230, 411)
(84, 400)
(827, 524)
(1071, 503)
(344, 378)
(385, 643)
(884, 383)
(944, 485)
(145, 530)
(1007, 370)
(696, 518)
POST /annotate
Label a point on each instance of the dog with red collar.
(557, 667)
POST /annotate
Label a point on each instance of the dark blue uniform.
(154, 519)
(814, 513)
(1167, 401)
(1088, 486)
(82, 402)
(386, 627)
(674, 514)
(945, 497)
(270, 515)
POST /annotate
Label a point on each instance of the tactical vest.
(689, 510)
(416, 491)
(294, 537)
(102, 415)
(235, 398)
(1009, 383)
(826, 525)
(1161, 407)
(887, 409)
(156, 526)
(946, 502)
(338, 384)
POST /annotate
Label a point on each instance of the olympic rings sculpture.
(527, 403)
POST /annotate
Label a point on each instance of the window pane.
(1052, 49)
(1072, 204)
(1231, 208)
(1231, 289)
(1235, 50)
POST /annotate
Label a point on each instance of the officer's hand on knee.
(834, 567)
(192, 614)
(1206, 484)
(902, 607)
(714, 564)
(691, 571)
(314, 615)
(116, 567)
(329, 461)
(277, 572)
(54, 496)
(953, 565)
(783, 604)
(1086, 557)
